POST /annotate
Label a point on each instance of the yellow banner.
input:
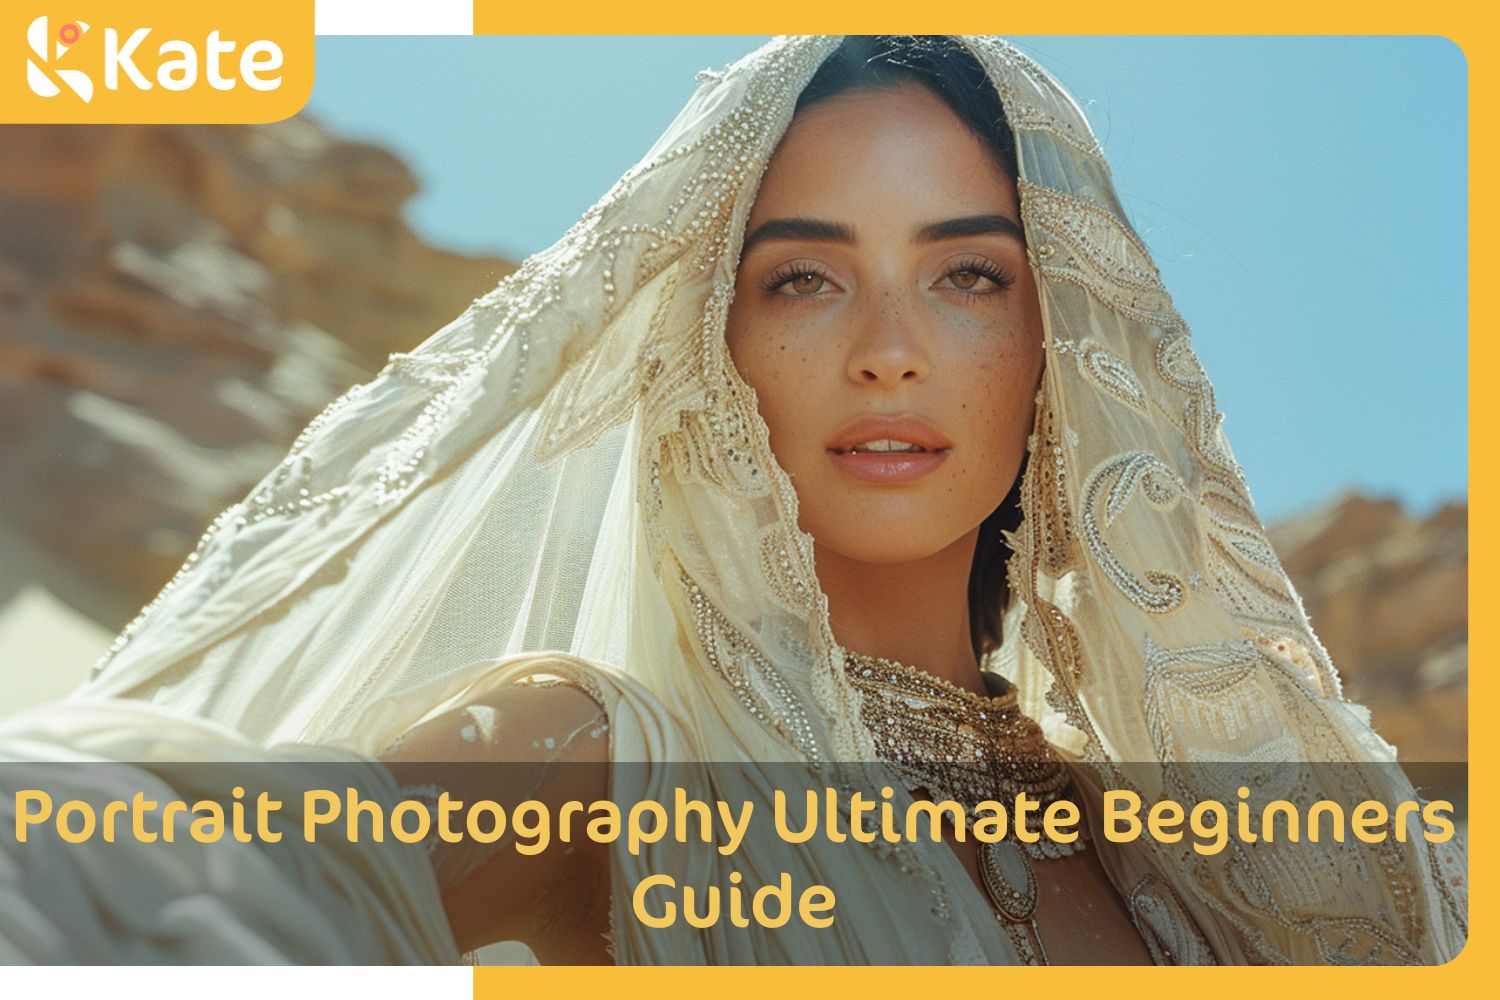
(1079, 17)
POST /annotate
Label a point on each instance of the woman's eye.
(805, 283)
(980, 280)
(965, 279)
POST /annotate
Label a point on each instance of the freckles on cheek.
(784, 357)
(1013, 363)
(772, 365)
(1002, 390)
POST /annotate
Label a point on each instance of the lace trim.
(1138, 472)
(753, 679)
(1170, 934)
(1083, 242)
(1006, 63)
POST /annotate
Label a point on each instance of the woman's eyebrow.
(823, 231)
(799, 229)
(971, 225)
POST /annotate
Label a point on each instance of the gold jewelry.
(959, 745)
(1011, 884)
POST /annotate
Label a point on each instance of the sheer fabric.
(573, 464)
(190, 903)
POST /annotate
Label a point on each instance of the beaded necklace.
(969, 748)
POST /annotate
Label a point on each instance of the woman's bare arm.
(547, 741)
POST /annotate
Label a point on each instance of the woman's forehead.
(888, 154)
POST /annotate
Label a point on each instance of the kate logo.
(98, 62)
(41, 81)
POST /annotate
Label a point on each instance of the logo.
(156, 61)
(37, 77)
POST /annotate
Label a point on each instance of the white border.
(394, 17)
(242, 982)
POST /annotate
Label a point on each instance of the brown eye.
(806, 283)
(965, 279)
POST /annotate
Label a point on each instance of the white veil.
(574, 464)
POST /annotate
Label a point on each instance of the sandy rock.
(176, 302)
(1388, 595)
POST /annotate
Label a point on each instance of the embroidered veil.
(573, 464)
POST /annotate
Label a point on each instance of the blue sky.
(1304, 197)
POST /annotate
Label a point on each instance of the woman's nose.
(889, 347)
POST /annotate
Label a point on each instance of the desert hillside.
(176, 302)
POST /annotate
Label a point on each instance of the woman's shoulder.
(526, 697)
(537, 711)
(641, 726)
(552, 678)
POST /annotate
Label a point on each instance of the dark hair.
(938, 62)
(944, 66)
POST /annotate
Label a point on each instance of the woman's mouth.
(887, 461)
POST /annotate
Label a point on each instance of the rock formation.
(1388, 595)
(176, 302)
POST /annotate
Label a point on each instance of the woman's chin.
(885, 542)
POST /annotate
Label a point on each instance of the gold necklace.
(959, 745)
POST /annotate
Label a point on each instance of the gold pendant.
(1008, 878)
(1027, 946)
(1011, 884)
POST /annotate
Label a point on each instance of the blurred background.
(177, 301)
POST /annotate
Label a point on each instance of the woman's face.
(885, 315)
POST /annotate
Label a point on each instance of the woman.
(747, 445)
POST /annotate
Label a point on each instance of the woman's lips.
(887, 468)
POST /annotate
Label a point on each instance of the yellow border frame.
(1379, 17)
(1376, 17)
